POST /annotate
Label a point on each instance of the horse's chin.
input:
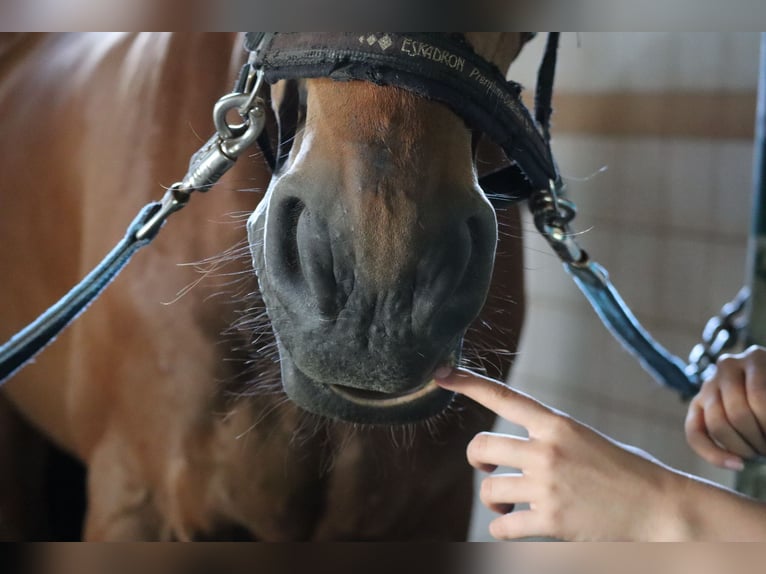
(360, 406)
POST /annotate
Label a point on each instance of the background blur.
(653, 133)
(220, 15)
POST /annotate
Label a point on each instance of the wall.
(653, 135)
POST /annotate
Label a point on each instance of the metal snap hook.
(233, 147)
(222, 108)
(238, 137)
(247, 103)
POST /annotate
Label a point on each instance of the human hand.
(579, 484)
(726, 421)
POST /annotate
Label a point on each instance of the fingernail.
(442, 372)
(734, 464)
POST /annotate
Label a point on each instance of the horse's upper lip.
(379, 399)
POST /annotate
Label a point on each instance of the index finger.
(510, 404)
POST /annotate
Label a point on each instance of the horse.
(210, 402)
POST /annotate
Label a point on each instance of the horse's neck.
(175, 75)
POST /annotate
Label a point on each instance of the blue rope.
(666, 368)
(27, 343)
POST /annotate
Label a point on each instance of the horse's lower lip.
(358, 406)
(382, 400)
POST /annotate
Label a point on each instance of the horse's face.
(374, 248)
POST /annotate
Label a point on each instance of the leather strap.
(438, 66)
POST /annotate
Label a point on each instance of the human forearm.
(701, 511)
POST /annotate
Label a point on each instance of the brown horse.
(374, 248)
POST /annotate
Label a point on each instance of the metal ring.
(234, 146)
(223, 107)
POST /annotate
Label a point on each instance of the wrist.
(682, 500)
(662, 515)
(698, 510)
(674, 508)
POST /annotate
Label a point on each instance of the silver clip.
(218, 154)
(207, 166)
(175, 198)
(552, 214)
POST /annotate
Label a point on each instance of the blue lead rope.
(27, 343)
(663, 366)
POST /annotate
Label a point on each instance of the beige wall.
(665, 210)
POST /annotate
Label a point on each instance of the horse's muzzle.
(365, 312)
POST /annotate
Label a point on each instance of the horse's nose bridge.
(368, 126)
(387, 229)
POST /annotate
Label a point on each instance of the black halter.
(438, 66)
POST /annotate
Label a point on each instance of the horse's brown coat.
(138, 390)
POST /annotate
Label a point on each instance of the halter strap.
(544, 91)
(437, 66)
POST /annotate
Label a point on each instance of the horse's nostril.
(291, 213)
(301, 261)
(469, 264)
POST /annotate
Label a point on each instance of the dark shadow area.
(65, 493)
